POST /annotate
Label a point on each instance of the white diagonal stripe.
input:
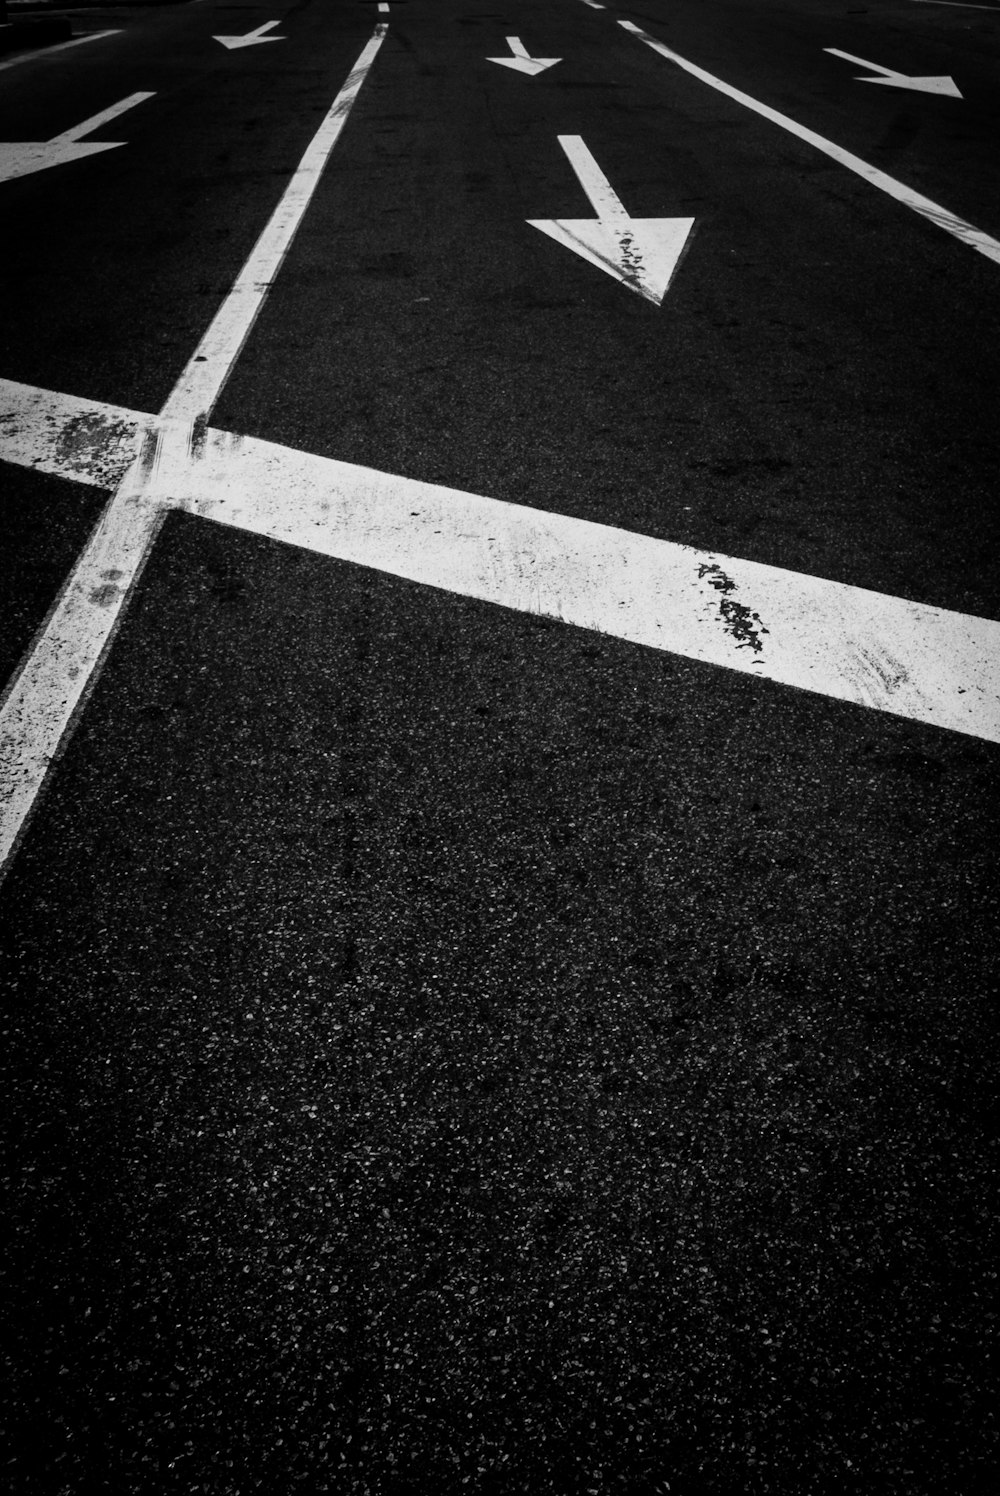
(57, 674)
(850, 643)
(943, 217)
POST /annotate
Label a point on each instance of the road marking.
(58, 672)
(958, 5)
(642, 253)
(521, 61)
(383, 7)
(202, 381)
(892, 79)
(849, 643)
(252, 38)
(944, 219)
(18, 158)
(94, 36)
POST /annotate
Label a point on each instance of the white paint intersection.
(56, 676)
(937, 85)
(858, 646)
(18, 158)
(642, 253)
(521, 61)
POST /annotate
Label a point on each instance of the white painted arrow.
(19, 158)
(892, 79)
(252, 38)
(521, 61)
(643, 253)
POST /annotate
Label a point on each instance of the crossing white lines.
(855, 645)
(942, 217)
(55, 678)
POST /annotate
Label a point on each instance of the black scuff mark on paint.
(103, 597)
(199, 436)
(889, 672)
(740, 621)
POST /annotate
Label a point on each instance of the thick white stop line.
(859, 646)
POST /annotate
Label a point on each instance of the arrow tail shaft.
(97, 120)
(873, 67)
(517, 46)
(267, 26)
(601, 195)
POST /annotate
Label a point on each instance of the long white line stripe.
(850, 643)
(45, 52)
(201, 383)
(57, 674)
(944, 219)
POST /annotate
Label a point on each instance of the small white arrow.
(892, 79)
(643, 253)
(252, 38)
(19, 158)
(521, 62)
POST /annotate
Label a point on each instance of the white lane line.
(944, 219)
(202, 381)
(95, 36)
(904, 658)
(958, 5)
(54, 680)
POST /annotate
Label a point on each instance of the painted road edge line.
(942, 217)
(54, 679)
(908, 659)
(94, 36)
(202, 382)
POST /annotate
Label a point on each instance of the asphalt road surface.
(499, 780)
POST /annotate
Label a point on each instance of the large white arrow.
(642, 253)
(521, 62)
(18, 158)
(252, 38)
(892, 79)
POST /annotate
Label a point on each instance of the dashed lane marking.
(54, 679)
(855, 645)
(944, 219)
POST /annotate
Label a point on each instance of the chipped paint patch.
(97, 448)
(738, 619)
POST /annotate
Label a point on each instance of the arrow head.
(529, 65)
(944, 85)
(19, 158)
(232, 42)
(643, 253)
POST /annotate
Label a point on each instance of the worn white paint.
(251, 38)
(21, 157)
(44, 52)
(642, 253)
(521, 61)
(58, 672)
(936, 85)
(859, 646)
(942, 217)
